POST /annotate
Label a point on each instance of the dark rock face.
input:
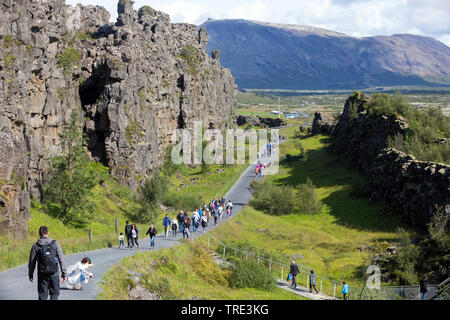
(410, 187)
(277, 56)
(260, 122)
(320, 126)
(133, 83)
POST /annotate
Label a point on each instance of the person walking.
(152, 233)
(313, 282)
(166, 224)
(128, 235)
(423, 288)
(180, 218)
(195, 221)
(134, 235)
(121, 244)
(187, 224)
(174, 226)
(294, 271)
(47, 253)
(230, 205)
(345, 290)
(204, 222)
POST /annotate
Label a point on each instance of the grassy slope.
(182, 272)
(328, 242)
(111, 201)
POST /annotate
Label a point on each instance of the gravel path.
(14, 283)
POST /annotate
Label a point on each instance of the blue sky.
(353, 17)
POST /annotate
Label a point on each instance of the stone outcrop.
(320, 126)
(410, 187)
(260, 121)
(133, 83)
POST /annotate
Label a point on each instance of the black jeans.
(48, 284)
(129, 241)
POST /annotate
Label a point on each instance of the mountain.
(277, 56)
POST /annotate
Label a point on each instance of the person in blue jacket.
(345, 290)
(166, 224)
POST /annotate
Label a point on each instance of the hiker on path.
(204, 222)
(48, 254)
(121, 244)
(77, 274)
(230, 205)
(312, 282)
(174, 226)
(294, 271)
(423, 288)
(152, 233)
(128, 234)
(187, 224)
(345, 290)
(180, 218)
(195, 221)
(166, 224)
(134, 235)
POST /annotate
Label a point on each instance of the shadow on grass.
(347, 204)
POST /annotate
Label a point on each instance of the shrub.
(153, 191)
(307, 201)
(183, 201)
(190, 55)
(68, 59)
(277, 200)
(250, 274)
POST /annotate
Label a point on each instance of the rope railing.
(329, 286)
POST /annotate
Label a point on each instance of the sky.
(353, 17)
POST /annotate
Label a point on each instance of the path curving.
(14, 283)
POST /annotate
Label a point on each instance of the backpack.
(48, 259)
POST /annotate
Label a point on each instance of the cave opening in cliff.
(94, 104)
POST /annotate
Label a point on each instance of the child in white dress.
(77, 273)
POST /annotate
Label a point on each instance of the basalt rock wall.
(132, 83)
(411, 187)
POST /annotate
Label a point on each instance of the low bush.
(251, 274)
(273, 199)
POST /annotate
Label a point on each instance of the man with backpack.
(128, 234)
(180, 218)
(48, 254)
(312, 282)
(294, 272)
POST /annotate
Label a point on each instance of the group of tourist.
(182, 223)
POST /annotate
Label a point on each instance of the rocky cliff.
(409, 186)
(133, 83)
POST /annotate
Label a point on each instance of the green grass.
(112, 201)
(329, 241)
(187, 271)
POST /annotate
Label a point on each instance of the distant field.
(260, 103)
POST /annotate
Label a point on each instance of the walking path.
(14, 283)
(302, 291)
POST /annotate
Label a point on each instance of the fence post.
(334, 293)
(270, 266)
(90, 235)
(320, 285)
(224, 251)
(235, 255)
(258, 259)
(282, 272)
(307, 282)
(117, 225)
(209, 238)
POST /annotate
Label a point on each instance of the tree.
(153, 191)
(308, 202)
(70, 178)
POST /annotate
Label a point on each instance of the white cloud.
(354, 17)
